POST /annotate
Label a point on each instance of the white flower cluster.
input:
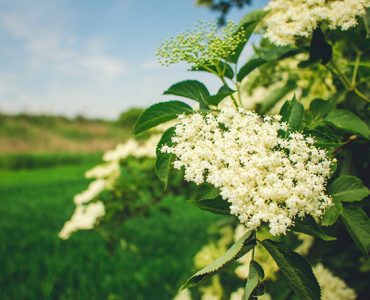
(88, 211)
(83, 218)
(265, 178)
(289, 19)
(332, 287)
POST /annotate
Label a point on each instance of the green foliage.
(160, 113)
(222, 93)
(247, 26)
(215, 205)
(348, 121)
(129, 117)
(238, 249)
(296, 270)
(292, 113)
(255, 275)
(249, 67)
(358, 226)
(309, 226)
(191, 89)
(348, 188)
(332, 213)
(164, 161)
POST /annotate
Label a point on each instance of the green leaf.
(274, 97)
(216, 99)
(160, 113)
(332, 213)
(309, 226)
(248, 24)
(191, 89)
(229, 73)
(249, 67)
(295, 269)
(254, 276)
(320, 49)
(163, 164)
(215, 205)
(347, 121)
(238, 249)
(292, 113)
(358, 226)
(320, 108)
(348, 188)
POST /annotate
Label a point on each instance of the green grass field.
(36, 264)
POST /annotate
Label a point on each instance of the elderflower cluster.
(88, 210)
(289, 19)
(202, 46)
(264, 177)
(332, 287)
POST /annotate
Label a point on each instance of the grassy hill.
(25, 133)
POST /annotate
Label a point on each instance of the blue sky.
(90, 57)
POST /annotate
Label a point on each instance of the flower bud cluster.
(202, 46)
(289, 19)
(264, 177)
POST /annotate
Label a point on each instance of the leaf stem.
(332, 67)
(355, 70)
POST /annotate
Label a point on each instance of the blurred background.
(74, 76)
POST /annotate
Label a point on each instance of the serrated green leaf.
(292, 113)
(348, 121)
(309, 226)
(295, 269)
(238, 249)
(164, 161)
(191, 89)
(247, 25)
(249, 67)
(348, 188)
(215, 205)
(254, 276)
(332, 213)
(274, 97)
(160, 113)
(358, 225)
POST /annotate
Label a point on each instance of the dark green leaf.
(348, 188)
(295, 269)
(238, 249)
(191, 89)
(320, 49)
(274, 97)
(254, 276)
(347, 121)
(332, 213)
(358, 226)
(160, 113)
(249, 67)
(164, 161)
(309, 226)
(320, 108)
(247, 25)
(292, 113)
(215, 205)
